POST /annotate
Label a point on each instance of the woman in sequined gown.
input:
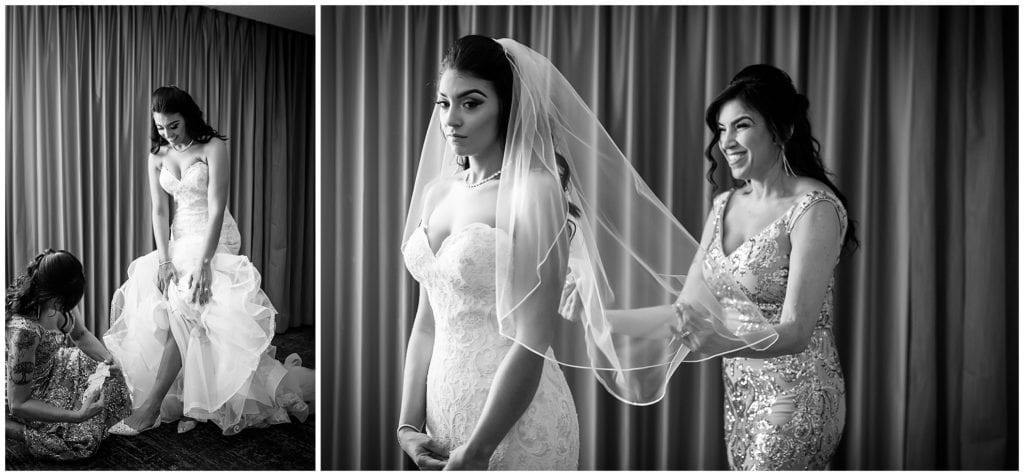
(190, 326)
(779, 236)
(50, 403)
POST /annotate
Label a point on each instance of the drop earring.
(785, 162)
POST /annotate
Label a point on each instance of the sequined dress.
(784, 412)
(468, 349)
(60, 378)
(229, 373)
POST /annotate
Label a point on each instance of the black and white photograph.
(660, 237)
(160, 237)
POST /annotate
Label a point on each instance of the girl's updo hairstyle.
(52, 278)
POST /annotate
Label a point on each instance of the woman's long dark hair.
(771, 92)
(171, 100)
(485, 59)
(52, 277)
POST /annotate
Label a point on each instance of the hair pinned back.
(771, 92)
(172, 100)
(54, 278)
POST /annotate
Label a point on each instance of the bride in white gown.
(473, 398)
(191, 327)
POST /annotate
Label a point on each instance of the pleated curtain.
(915, 108)
(79, 80)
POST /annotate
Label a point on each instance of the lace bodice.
(459, 280)
(468, 349)
(191, 206)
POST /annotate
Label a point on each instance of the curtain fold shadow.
(910, 105)
(78, 126)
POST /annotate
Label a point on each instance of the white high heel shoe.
(121, 428)
(185, 426)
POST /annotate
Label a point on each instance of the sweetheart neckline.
(444, 241)
(184, 172)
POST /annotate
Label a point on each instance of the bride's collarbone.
(460, 207)
(183, 160)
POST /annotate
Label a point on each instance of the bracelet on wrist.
(398, 431)
(162, 263)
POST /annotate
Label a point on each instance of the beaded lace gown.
(784, 412)
(468, 349)
(60, 378)
(229, 374)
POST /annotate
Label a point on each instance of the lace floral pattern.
(229, 375)
(191, 212)
(468, 349)
(785, 412)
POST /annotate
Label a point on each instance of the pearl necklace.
(492, 177)
(183, 149)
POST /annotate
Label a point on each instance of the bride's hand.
(166, 275)
(423, 450)
(114, 367)
(461, 459)
(199, 282)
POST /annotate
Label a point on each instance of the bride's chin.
(461, 151)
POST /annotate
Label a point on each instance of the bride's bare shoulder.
(156, 159)
(437, 189)
(440, 186)
(541, 181)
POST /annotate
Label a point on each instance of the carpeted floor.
(289, 446)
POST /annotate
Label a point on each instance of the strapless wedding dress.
(229, 374)
(468, 349)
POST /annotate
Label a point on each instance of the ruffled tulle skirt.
(229, 373)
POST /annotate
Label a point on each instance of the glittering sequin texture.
(60, 378)
(785, 412)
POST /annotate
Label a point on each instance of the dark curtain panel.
(78, 125)
(915, 108)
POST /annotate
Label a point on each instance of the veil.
(623, 253)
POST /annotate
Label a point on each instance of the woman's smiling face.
(171, 127)
(745, 141)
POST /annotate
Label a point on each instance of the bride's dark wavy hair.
(172, 100)
(485, 59)
(55, 277)
(771, 92)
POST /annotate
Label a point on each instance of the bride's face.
(745, 141)
(171, 127)
(469, 109)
